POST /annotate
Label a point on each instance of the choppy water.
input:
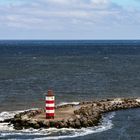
(76, 71)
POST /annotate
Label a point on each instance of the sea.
(76, 70)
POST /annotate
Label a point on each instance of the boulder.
(77, 123)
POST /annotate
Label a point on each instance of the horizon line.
(69, 39)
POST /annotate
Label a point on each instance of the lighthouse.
(50, 105)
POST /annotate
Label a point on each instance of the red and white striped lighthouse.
(50, 105)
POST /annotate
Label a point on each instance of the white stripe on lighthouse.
(49, 105)
(49, 111)
(51, 98)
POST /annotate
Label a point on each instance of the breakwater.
(85, 114)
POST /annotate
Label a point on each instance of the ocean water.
(76, 71)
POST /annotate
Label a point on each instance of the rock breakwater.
(85, 114)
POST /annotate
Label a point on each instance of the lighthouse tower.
(50, 105)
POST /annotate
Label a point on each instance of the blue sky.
(69, 19)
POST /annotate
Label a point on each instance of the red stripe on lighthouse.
(49, 115)
(49, 102)
(50, 106)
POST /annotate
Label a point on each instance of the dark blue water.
(76, 71)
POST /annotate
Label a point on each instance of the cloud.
(66, 15)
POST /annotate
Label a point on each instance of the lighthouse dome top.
(50, 93)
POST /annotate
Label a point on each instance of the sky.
(69, 19)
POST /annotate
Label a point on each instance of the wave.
(65, 103)
(11, 114)
(8, 132)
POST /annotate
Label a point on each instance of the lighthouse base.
(49, 115)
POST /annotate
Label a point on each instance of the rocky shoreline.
(85, 114)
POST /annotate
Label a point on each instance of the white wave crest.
(11, 114)
(72, 133)
(65, 103)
